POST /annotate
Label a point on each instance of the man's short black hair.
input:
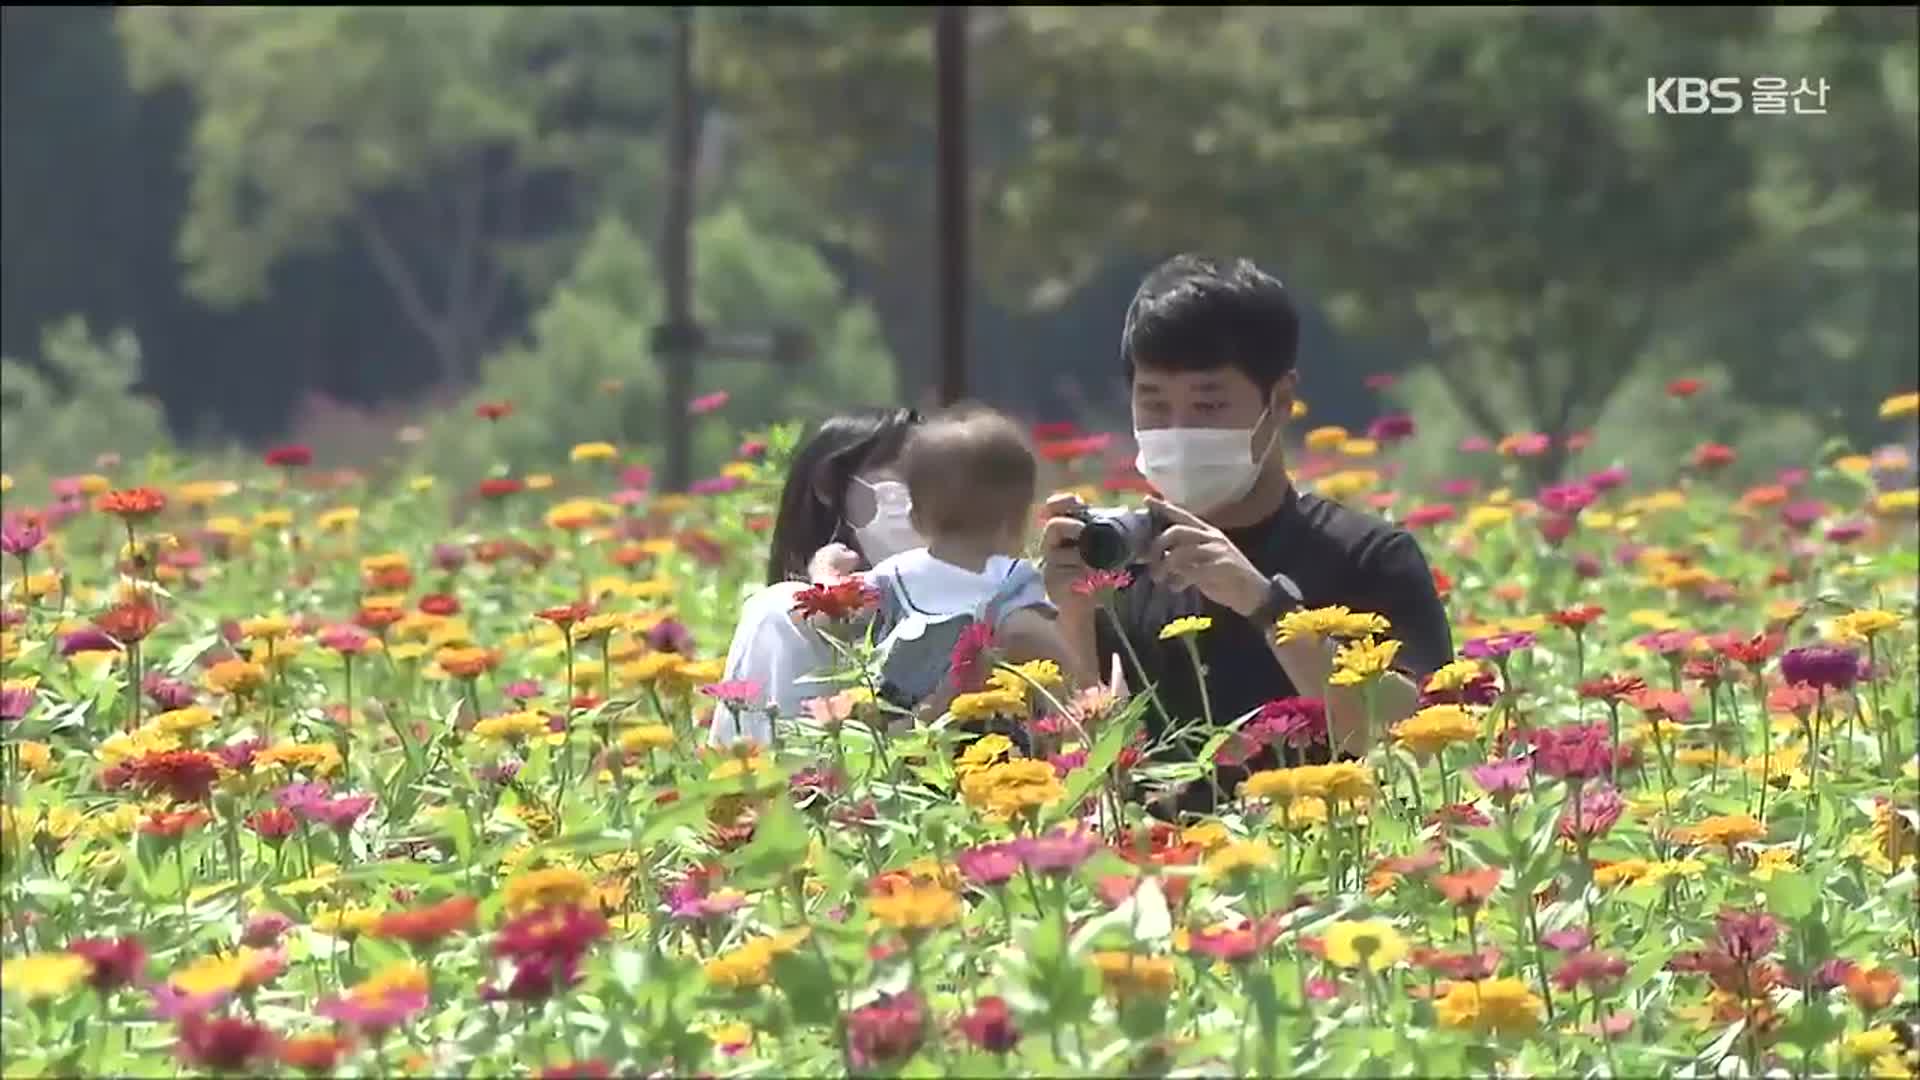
(1196, 313)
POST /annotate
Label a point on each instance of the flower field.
(308, 775)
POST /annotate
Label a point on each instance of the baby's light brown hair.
(971, 472)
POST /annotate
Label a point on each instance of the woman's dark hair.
(813, 505)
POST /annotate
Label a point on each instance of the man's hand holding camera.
(1191, 554)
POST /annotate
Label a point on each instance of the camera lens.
(1104, 545)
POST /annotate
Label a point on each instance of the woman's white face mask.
(1202, 469)
(891, 531)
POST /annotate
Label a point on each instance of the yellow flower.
(1864, 1046)
(1301, 813)
(1495, 1006)
(1191, 624)
(323, 878)
(273, 519)
(1723, 829)
(94, 484)
(236, 678)
(1889, 503)
(1358, 662)
(143, 740)
(420, 483)
(201, 493)
(1334, 622)
(267, 627)
(1323, 439)
(320, 759)
(1130, 975)
(345, 922)
(511, 726)
(340, 519)
(917, 907)
(6, 483)
(1284, 785)
(539, 482)
(1770, 861)
(650, 669)
(1435, 728)
(1687, 869)
(593, 451)
(35, 757)
(1895, 1066)
(44, 975)
(1016, 787)
(1011, 704)
(1484, 517)
(981, 753)
(744, 968)
(647, 737)
(1863, 625)
(1042, 673)
(182, 721)
(553, 887)
(1854, 464)
(1371, 943)
(579, 513)
(1207, 834)
(1453, 676)
(1347, 483)
(1235, 857)
(1900, 405)
(402, 977)
(1624, 872)
(1361, 448)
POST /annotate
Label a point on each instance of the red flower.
(1074, 449)
(1235, 944)
(1713, 456)
(134, 504)
(1612, 687)
(557, 932)
(1421, 517)
(887, 1031)
(314, 1055)
(493, 410)
(440, 604)
(990, 1026)
(565, 615)
(1442, 584)
(1056, 429)
(294, 456)
(841, 600)
(1097, 582)
(1468, 888)
(971, 659)
(592, 1069)
(116, 963)
(1753, 652)
(186, 775)
(225, 1043)
(391, 579)
(1576, 618)
(1684, 388)
(130, 623)
(498, 487)
(171, 824)
(427, 925)
(1470, 967)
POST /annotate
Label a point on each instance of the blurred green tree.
(449, 145)
(76, 402)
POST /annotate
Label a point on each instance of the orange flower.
(428, 925)
(133, 504)
(467, 663)
(1872, 989)
(1468, 888)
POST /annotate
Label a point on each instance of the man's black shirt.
(1335, 555)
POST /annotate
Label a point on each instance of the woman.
(843, 508)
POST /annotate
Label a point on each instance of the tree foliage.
(76, 402)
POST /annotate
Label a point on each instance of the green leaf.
(802, 975)
(1791, 895)
(780, 841)
(1106, 750)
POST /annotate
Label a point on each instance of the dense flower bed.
(301, 779)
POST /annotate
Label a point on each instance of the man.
(1209, 350)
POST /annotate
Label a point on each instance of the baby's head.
(972, 477)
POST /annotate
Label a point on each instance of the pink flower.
(345, 638)
(19, 534)
(1596, 970)
(263, 930)
(1572, 752)
(339, 813)
(1391, 428)
(1591, 818)
(373, 1015)
(971, 659)
(737, 694)
(717, 485)
(1501, 779)
(1567, 499)
(1572, 939)
(1322, 989)
(1747, 937)
(990, 1026)
(991, 864)
(888, 1031)
(1057, 853)
(1475, 444)
(1421, 517)
(708, 403)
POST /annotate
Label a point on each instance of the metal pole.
(680, 340)
(950, 73)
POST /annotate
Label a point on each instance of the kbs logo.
(1692, 96)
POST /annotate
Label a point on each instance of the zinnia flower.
(916, 908)
(134, 504)
(1495, 1006)
(116, 962)
(888, 1031)
(1597, 970)
(289, 457)
(228, 1044)
(1236, 943)
(1129, 976)
(838, 601)
(1372, 943)
(1058, 852)
(990, 1026)
(1821, 666)
(44, 975)
(991, 864)
(426, 926)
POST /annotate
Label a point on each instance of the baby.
(971, 477)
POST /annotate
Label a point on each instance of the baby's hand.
(832, 563)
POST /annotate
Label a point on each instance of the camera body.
(1115, 538)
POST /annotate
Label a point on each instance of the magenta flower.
(1608, 479)
(1800, 516)
(263, 930)
(1501, 779)
(345, 638)
(501, 773)
(1595, 970)
(815, 783)
(1391, 428)
(448, 557)
(339, 813)
(1846, 532)
(626, 497)
(708, 403)
(19, 535)
(1482, 689)
(991, 864)
(1058, 852)
(1572, 939)
(1667, 643)
(87, 641)
(738, 694)
(1298, 722)
(990, 1026)
(1791, 478)
(374, 1015)
(1066, 763)
(14, 702)
(171, 1004)
(535, 979)
(1568, 499)
(1458, 488)
(637, 476)
(239, 756)
(168, 694)
(668, 635)
(888, 1031)
(1830, 667)
(1747, 937)
(715, 485)
(1475, 444)
(1499, 645)
(299, 797)
(1320, 989)
(1572, 752)
(522, 690)
(1593, 816)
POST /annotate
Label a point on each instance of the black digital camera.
(1113, 539)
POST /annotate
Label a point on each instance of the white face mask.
(891, 531)
(1202, 469)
